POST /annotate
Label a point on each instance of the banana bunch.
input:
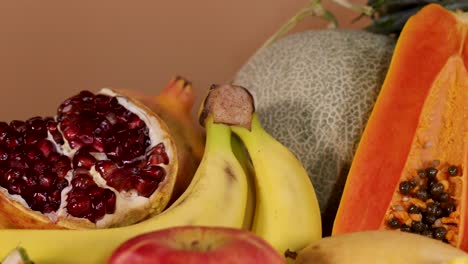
(246, 179)
(287, 213)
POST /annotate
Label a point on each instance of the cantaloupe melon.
(315, 90)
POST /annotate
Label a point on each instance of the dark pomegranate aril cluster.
(87, 200)
(143, 176)
(28, 164)
(101, 123)
(430, 204)
(93, 130)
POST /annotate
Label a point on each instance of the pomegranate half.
(105, 160)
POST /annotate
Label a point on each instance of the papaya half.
(409, 172)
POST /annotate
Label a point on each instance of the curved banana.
(287, 213)
(244, 159)
(217, 196)
(382, 246)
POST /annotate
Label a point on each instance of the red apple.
(196, 245)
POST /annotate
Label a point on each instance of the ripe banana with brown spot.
(217, 196)
(287, 213)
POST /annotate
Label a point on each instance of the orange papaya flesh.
(409, 172)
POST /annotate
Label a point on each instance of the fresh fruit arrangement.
(218, 195)
(120, 177)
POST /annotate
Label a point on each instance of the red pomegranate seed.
(145, 185)
(155, 171)
(46, 181)
(4, 128)
(121, 180)
(82, 182)
(32, 153)
(110, 199)
(86, 95)
(75, 144)
(18, 126)
(16, 153)
(158, 155)
(38, 125)
(55, 196)
(62, 166)
(31, 137)
(12, 174)
(52, 127)
(158, 159)
(49, 208)
(83, 159)
(30, 180)
(40, 166)
(3, 154)
(104, 125)
(61, 184)
(102, 103)
(39, 201)
(95, 191)
(53, 157)
(79, 205)
(159, 148)
(16, 187)
(98, 144)
(12, 142)
(115, 152)
(105, 168)
(18, 163)
(46, 147)
(87, 138)
(70, 132)
(99, 207)
(135, 122)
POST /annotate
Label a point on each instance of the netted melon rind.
(314, 91)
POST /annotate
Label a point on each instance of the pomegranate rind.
(174, 105)
(14, 214)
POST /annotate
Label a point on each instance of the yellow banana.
(217, 196)
(287, 213)
(386, 247)
(244, 160)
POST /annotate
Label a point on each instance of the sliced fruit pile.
(106, 160)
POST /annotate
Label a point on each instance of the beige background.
(50, 50)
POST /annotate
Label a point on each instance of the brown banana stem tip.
(228, 104)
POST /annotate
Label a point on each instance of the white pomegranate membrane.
(100, 157)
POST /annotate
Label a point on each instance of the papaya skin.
(174, 105)
(432, 49)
